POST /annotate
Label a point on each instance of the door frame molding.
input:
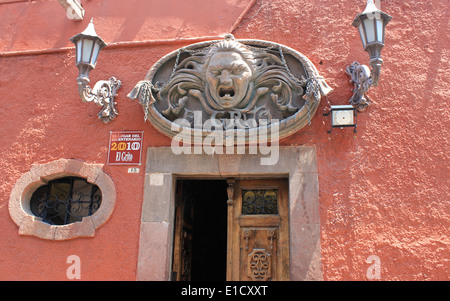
(163, 168)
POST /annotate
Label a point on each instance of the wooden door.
(258, 230)
(182, 250)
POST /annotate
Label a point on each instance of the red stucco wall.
(383, 191)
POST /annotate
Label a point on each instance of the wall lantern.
(87, 48)
(371, 24)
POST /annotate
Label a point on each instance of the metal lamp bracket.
(103, 94)
(362, 79)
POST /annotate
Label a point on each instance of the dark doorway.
(203, 235)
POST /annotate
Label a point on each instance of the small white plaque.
(133, 170)
(156, 179)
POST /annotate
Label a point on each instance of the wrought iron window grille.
(65, 200)
(259, 201)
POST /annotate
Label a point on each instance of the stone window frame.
(41, 174)
(164, 168)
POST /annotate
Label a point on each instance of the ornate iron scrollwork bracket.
(363, 79)
(103, 94)
(360, 77)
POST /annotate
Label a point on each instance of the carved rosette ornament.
(242, 86)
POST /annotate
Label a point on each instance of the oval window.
(65, 200)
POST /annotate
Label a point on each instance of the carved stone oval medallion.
(239, 87)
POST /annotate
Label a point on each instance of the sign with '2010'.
(125, 148)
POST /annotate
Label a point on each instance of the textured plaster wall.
(383, 191)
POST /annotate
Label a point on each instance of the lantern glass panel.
(370, 30)
(361, 33)
(87, 50)
(78, 57)
(380, 32)
(95, 53)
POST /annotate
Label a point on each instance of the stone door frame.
(163, 168)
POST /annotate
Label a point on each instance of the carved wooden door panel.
(258, 227)
(182, 259)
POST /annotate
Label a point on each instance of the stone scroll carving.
(238, 85)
